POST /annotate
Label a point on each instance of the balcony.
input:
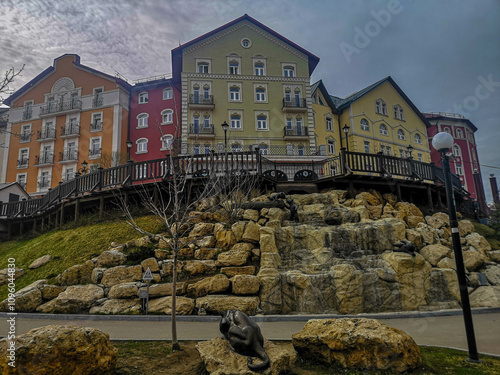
(201, 101)
(68, 155)
(70, 130)
(68, 106)
(294, 105)
(97, 102)
(201, 131)
(43, 183)
(94, 153)
(44, 159)
(25, 137)
(96, 126)
(47, 134)
(296, 133)
(27, 114)
(23, 163)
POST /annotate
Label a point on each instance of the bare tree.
(113, 159)
(6, 80)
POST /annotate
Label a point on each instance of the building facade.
(465, 161)
(326, 121)
(68, 114)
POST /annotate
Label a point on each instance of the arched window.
(460, 133)
(456, 150)
(381, 107)
(383, 129)
(447, 130)
(143, 98)
(289, 122)
(234, 67)
(418, 139)
(261, 122)
(142, 145)
(259, 68)
(401, 135)
(167, 116)
(166, 142)
(364, 124)
(142, 120)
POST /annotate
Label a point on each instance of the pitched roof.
(321, 86)
(51, 69)
(177, 52)
(450, 116)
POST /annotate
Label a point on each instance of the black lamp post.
(225, 127)
(82, 170)
(129, 147)
(443, 142)
(346, 131)
(410, 150)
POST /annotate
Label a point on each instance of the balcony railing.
(66, 106)
(23, 163)
(207, 129)
(46, 134)
(94, 153)
(45, 158)
(294, 104)
(25, 137)
(43, 182)
(201, 99)
(27, 114)
(68, 155)
(71, 129)
(96, 126)
(97, 101)
(296, 131)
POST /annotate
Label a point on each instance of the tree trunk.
(175, 343)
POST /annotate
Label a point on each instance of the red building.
(465, 163)
(154, 118)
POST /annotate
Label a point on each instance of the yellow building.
(382, 119)
(326, 120)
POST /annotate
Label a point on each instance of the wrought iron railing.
(94, 152)
(72, 104)
(201, 128)
(294, 103)
(201, 99)
(97, 101)
(45, 158)
(68, 155)
(25, 137)
(70, 129)
(295, 131)
(27, 114)
(96, 126)
(22, 163)
(46, 133)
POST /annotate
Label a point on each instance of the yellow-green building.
(327, 126)
(252, 78)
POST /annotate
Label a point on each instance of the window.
(401, 135)
(383, 129)
(74, 100)
(329, 123)
(142, 120)
(44, 181)
(381, 107)
(399, 112)
(96, 124)
(264, 149)
(298, 124)
(28, 110)
(367, 147)
(456, 150)
(167, 116)
(262, 122)
(236, 147)
(260, 94)
(142, 146)
(234, 94)
(259, 68)
(418, 139)
(23, 158)
(69, 174)
(203, 67)
(401, 153)
(21, 180)
(206, 92)
(288, 95)
(168, 94)
(95, 148)
(447, 130)
(166, 142)
(143, 98)
(420, 157)
(289, 122)
(246, 43)
(331, 147)
(460, 133)
(300, 150)
(25, 133)
(288, 71)
(388, 150)
(364, 124)
(234, 67)
(98, 100)
(235, 121)
(458, 169)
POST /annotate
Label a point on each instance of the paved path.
(437, 328)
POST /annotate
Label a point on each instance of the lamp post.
(410, 150)
(346, 131)
(82, 170)
(225, 127)
(129, 147)
(443, 142)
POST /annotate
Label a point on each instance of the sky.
(444, 54)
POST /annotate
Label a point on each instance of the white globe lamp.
(442, 141)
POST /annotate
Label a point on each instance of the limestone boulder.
(75, 299)
(62, 350)
(161, 254)
(485, 296)
(215, 304)
(207, 241)
(245, 284)
(473, 260)
(51, 291)
(465, 227)
(252, 215)
(97, 274)
(111, 258)
(233, 271)
(336, 215)
(362, 344)
(349, 288)
(269, 255)
(438, 220)
(225, 239)
(211, 285)
(26, 300)
(238, 229)
(37, 263)
(429, 235)
(479, 243)
(163, 305)
(275, 214)
(163, 290)
(251, 233)
(201, 230)
(390, 198)
(199, 267)
(219, 359)
(151, 263)
(434, 253)
(367, 199)
(415, 238)
(494, 255)
(5, 275)
(121, 274)
(118, 306)
(270, 291)
(123, 290)
(493, 275)
(233, 258)
(447, 263)
(78, 274)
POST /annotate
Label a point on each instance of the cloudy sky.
(445, 54)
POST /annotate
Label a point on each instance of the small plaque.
(143, 294)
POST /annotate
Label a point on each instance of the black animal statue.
(245, 337)
(277, 196)
(294, 210)
(405, 247)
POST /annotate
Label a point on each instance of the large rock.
(51, 291)
(225, 239)
(233, 258)
(245, 284)
(270, 291)
(75, 299)
(163, 290)
(485, 296)
(199, 267)
(465, 227)
(233, 271)
(349, 289)
(61, 350)
(121, 274)
(473, 260)
(438, 220)
(123, 290)
(479, 243)
(151, 263)
(201, 229)
(117, 306)
(163, 305)
(215, 304)
(25, 300)
(37, 263)
(111, 258)
(5, 275)
(219, 359)
(493, 275)
(251, 233)
(434, 253)
(362, 344)
(78, 274)
(211, 285)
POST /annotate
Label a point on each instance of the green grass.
(491, 235)
(67, 246)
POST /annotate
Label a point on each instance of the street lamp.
(82, 170)
(129, 147)
(346, 130)
(443, 142)
(410, 150)
(225, 127)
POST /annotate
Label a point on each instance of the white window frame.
(259, 59)
(235, 113)
(25, 175)
(231, 69)
(364, 125)
(27, 126)
(19, 157)
(169, 138)
(207, 62)
(143, 98)
(420, 156)
(91, 140)
(459, 133)
(385, 131)
(366, 144)
(329, 123)
(140, 117)
(287, 67)
(381, 107)
(168, 93)
(256, 96)
(93, 117)
(257, 121)
(399, 112)
(418, 139)
(401, 135)
(331, 146)
(234, 96)
(167, 112)
(141, 146)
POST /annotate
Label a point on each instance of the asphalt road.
(435, 329)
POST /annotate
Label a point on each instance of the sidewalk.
(439, 328)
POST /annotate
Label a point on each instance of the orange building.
(68, 114)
